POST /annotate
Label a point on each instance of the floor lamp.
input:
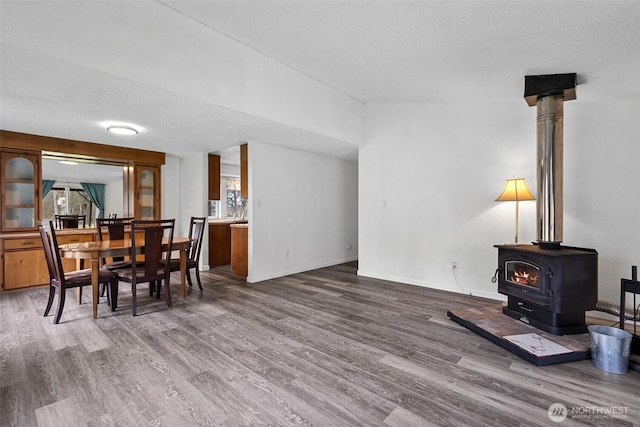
(515, 190)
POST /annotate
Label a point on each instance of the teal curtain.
(47, 185)
(96, 194)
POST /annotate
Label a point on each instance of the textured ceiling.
(432, 50)
(67, 66)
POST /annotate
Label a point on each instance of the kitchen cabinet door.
(214, 177)
(219, 245)
(24, 268)
(20, 191)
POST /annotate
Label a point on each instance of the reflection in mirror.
(66, 194)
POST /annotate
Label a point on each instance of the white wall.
(192, 195)
(170, 178)
(429, 175)
(113, 199)
(302, 211)
(231, 170)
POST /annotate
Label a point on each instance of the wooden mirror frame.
(85, 151)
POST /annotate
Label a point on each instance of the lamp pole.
(517, 211)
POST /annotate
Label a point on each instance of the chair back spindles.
(196, 231)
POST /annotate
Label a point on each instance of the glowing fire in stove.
(524, 277)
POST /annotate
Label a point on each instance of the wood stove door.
(525, 279)
(522, 273)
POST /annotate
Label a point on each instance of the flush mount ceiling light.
(122, 130)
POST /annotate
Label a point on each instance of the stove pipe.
(548, 93)
(549, 170)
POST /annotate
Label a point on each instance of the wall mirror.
(101, 180)
(79, 186)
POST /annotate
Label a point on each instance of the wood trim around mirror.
(25, 141)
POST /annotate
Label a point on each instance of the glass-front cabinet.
(20, 184)
(147, 185)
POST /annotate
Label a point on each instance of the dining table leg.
(183, 272)
(95, 268)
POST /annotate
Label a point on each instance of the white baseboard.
(424, 284)
(256, 279)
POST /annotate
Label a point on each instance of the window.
(231, 205)
(236, 205)
(214, 209)
(67, 201)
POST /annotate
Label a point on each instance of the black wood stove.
(548, 285)
(548, 288)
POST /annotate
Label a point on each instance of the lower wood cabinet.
(219, 244)
(240, 249)
(23, 263)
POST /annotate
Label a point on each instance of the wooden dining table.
(97, 250)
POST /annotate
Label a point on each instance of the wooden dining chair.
(70, 221)
(196, 231)
(113, 229)
(60, 280)
(156, 265)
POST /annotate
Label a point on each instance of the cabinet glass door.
(147, 192)
(20, 192)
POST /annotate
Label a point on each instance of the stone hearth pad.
(490, 323)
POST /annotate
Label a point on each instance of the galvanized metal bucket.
(610, 348)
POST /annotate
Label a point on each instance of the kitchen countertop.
(212, 220)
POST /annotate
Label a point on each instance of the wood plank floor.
(321, 348)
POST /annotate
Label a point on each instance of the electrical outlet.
(454, 264)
